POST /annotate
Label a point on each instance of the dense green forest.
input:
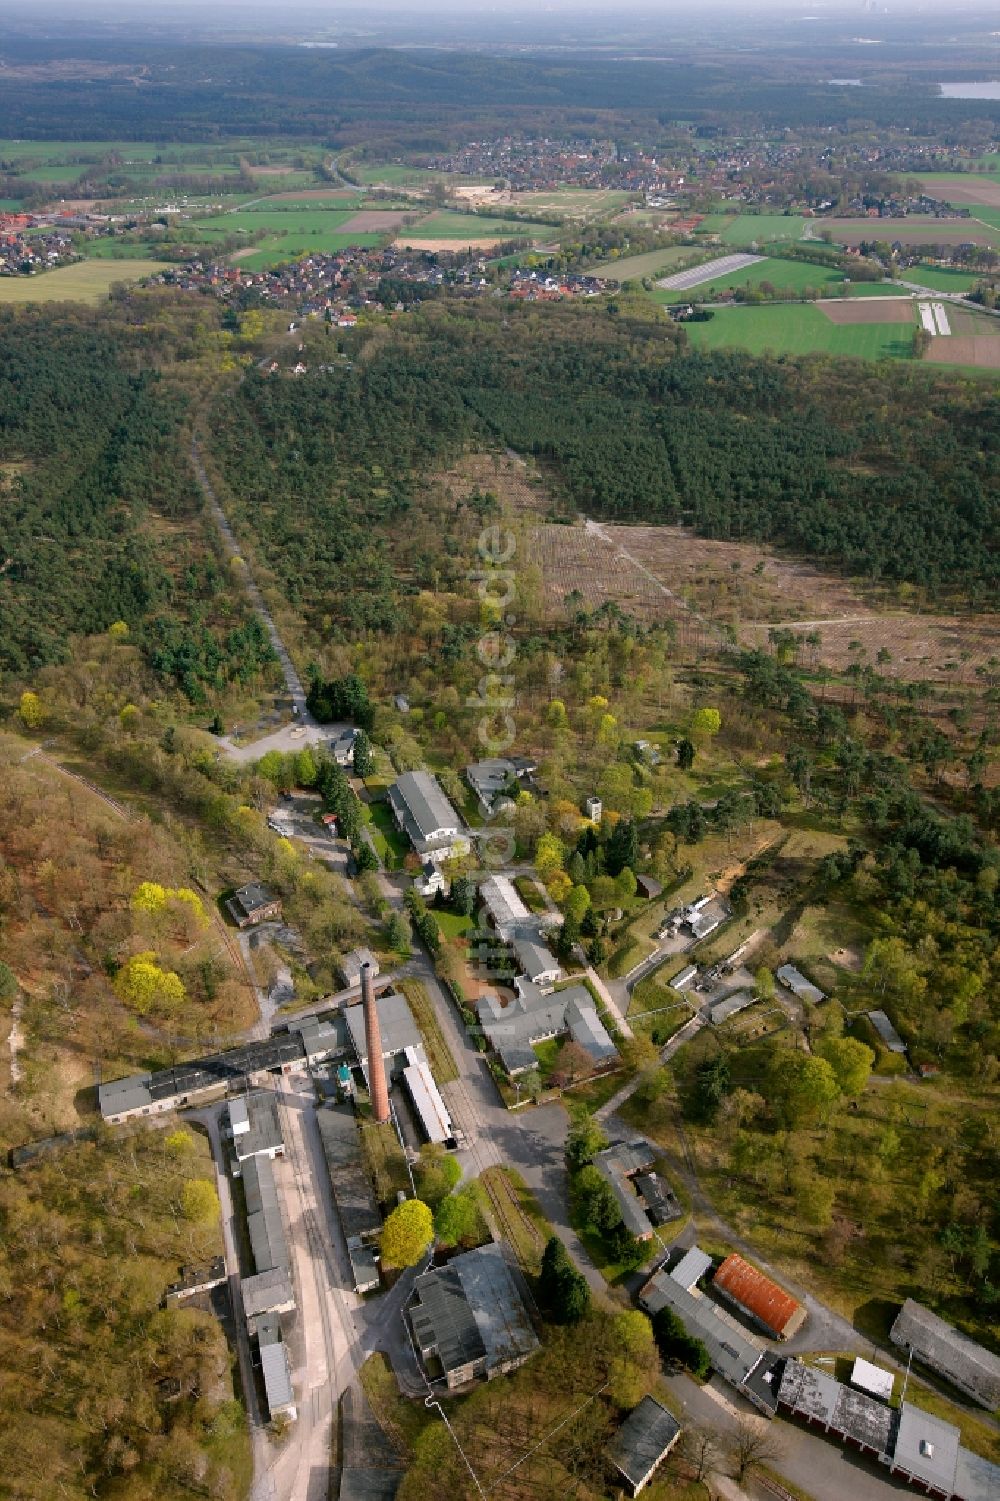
(193, 92)
(94, 474)
(885, 474)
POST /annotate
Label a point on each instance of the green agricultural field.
(84, 281)
(54, 174)
(652, 263)
(990, 216)
(118, 250)
(447, 226)
(941, 278)
(277, 252)
(751, 229)
(289, 233)
(715, 223)
(800, 329)
(793, 275)
(301, 221)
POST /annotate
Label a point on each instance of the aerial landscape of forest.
(499, 754)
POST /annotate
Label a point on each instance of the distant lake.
(845, 83)
(970, 91)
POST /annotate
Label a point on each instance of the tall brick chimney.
(377, 1085)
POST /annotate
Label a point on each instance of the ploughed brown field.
(421, 242)
(965, 189)
(374, 221)
(929, 232)
(869, 310)
(966, 349)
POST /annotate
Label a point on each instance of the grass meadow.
(84, 281)
(799, 328)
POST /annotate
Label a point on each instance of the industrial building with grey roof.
(424, 814)
(966, 1364)
(533, 1017)
(470, 1314)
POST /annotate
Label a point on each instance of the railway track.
(511, 1215)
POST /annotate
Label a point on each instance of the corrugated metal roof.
(423, 809)
(277, 1378)
(755, 1292)
(267, 1231)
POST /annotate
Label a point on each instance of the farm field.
(941, 278)
(275, 252)
(965, 188)
(846, 313)
(84, 281)
(448, 226)
(795, 275)
(290, 232)
(981, 351)
(651, 263)
(798, 329)
(749, 229)
(914, 230)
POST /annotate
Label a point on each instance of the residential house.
(342, 747)
(491, 781)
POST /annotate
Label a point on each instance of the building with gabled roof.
(966, 1364)
(795, 981)
(642, 1443)
(267, 1231)
(425, 815)
(255, 1127)
(753, 1293)
(275, 1369)
(533, 1017)
(735, 1354)
(470, 1314)
(253, 904)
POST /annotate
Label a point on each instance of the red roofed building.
(759, 1298)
